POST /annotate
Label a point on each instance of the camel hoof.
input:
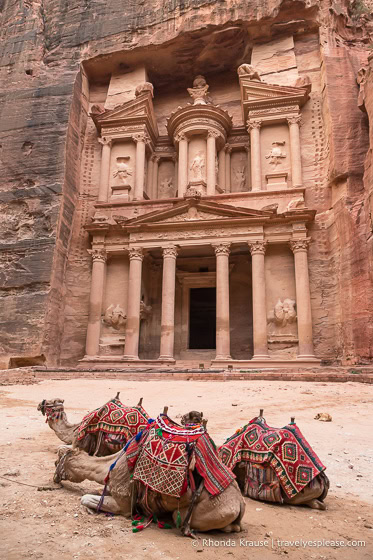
(232, 528)
(316, 504)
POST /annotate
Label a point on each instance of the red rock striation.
(49, 51)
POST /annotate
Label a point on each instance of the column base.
(167, 359)
(132, 358)
(260, 357)
(222, 357)
(307, 357)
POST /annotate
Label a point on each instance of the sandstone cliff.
(44, 271)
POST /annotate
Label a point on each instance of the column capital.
(213, 134)
(180, 136)
(98, 255)
(228, 148)
(136, 253)
(247, 146)
(255, 123)
(155, 159)
(170, 251)
(257, 247)
(105, 141)
(298, 245)
(140, 137)
(294, 119)
(222, 249)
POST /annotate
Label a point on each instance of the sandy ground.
(53, 525)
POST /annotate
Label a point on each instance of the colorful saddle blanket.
(115, 419)
(164, 456)
(285, 450)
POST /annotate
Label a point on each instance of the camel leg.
(109, 504)
(236, 527)
(315, 504)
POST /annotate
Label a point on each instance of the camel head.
(51, 408)
(192, 417)
(66, 469)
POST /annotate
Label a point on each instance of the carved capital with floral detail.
(222, 249)
(297, 245)
(140, 137)
(213, 134)
(257, 247)
(104, 141)
(170, 251)
(254, 123)
(180, 136)
(294, 119)
(136, 253)
(98, 255)
(228, 149)
(155, 159)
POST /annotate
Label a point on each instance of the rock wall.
(45, 196)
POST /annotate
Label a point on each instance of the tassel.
(178, 519)
(138, 529)
(163, 525)
(159, 432)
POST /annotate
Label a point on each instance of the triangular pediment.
(196, 211)
(270, 98)
(139, 109)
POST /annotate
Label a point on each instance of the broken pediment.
(138, 111)
(259, 98)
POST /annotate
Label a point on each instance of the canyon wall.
(52, 56)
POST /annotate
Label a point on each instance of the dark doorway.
(202, 319)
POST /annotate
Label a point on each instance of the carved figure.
(166, 186)
(276, 154)
(115, 317)
(249, 71)
(146, 86)
(283, 313)
(123, 171)
(241, 177)
(145, 310)
(304, 82)
(198, 167)
(295, 203)
(199, 91)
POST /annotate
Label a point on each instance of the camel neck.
(62, 427)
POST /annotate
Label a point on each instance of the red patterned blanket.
(115, 419)
(164, 457)
(285, 450)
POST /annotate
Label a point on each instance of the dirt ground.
(52, 524)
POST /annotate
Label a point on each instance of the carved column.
(222, 301)
(103, 190)
(183, 164)
(131, 347)
(256, 164)
(302, 287)
(174, 159)
(95, 301)
(221, 180)
(212, 135)
(168, 303)
(257, 250)
(140, 166)
(149, 178)
(228, 151)
(296, 161)
(155, 160)
(248, 166)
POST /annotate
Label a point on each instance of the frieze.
(286, 109)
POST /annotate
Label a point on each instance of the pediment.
(196, 211)
(138, 109)
(269, 97)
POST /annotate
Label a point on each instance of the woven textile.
(285, 450)
(115, 419)
(162, 457)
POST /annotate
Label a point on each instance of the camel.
(244, 453)
(98, 443)
(224, 512)
(53, 409)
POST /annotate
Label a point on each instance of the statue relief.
(123, 171)
(276, 154)
(199, 91)
(197, 167)
(240, 173)
(145, 310)
(115, 317)
(283, 313)
(248, 71)
(166, 188)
